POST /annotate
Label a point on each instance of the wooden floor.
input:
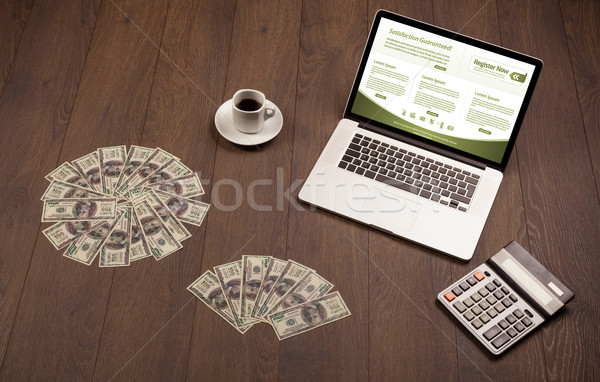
(82, 74)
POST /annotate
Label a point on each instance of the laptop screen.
(443, 88)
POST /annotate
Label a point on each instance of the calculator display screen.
(530, 284)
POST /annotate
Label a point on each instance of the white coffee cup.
(250, 109)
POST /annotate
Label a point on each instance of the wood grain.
(583, 30)
(404, 320)
(77, 76)
(180, 106)
(331, 43)
(13, 17)
(34, 109)
(109, 109)
(506, 222)
(263, 56)
(553, 155)
(582, 27)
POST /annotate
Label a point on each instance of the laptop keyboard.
(408, 171)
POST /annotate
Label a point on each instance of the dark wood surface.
(83, 74)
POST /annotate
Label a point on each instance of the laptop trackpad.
(390, 211)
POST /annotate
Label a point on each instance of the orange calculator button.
(449, 296)
(479, 276)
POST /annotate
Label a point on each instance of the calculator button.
(457, 291)
(518, 313)
(449, 296)
(511, 319)
(484, 305)
(484, 318)
(476, 323)
(479, 276)
(500, 341)
(497, 282)
(519, 327)
(468, 315)
(459, 306)
(491, 287)
(499, 307)
(505, 290)
(506, 302)
(512, 333)
(472, 281)
(464, 286)
(527, 322)
(527, 312)
(513, 298)
(491, 300)
(492, 332)
(503, 324)
(483, 292)
(476, 311)
(476, 297)
(468, 302)
(498, 294)
(492, 313)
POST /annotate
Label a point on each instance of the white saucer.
(224, 124)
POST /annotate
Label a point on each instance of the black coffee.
(248, 104)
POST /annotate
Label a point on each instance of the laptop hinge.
(422, 145)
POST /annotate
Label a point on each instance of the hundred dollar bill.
(310, 315)
(135, 194)
(138, 249)
(62, 190)
(57, 210)
(208, 289)
(151, 164)
(254, 268)
(187, 210)
(135, 157)
(230, 278)
(112, 160)
(68, 174)
(115, 250)
(186, 187)
(63, 233)
(292, 273)
(179, 232)
(170, 170)
(159, 239)
(276, 267)
(89, 168)
(311, 287)
(124, 203)
(86, 247)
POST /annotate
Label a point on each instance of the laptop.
(428, 129)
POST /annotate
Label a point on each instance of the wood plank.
(331, 43)
(561, 201)
(103, 82)
(263, 55)
(583, 37)
(180, 120)
(13, 17)
(34, 109)
(506, 221)
(406, 329)
(109, 109)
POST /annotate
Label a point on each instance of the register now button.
(485, 131)
(380, 96)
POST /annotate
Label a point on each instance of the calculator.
(505, 298)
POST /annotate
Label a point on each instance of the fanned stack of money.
(289, 296)
(122, 205)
